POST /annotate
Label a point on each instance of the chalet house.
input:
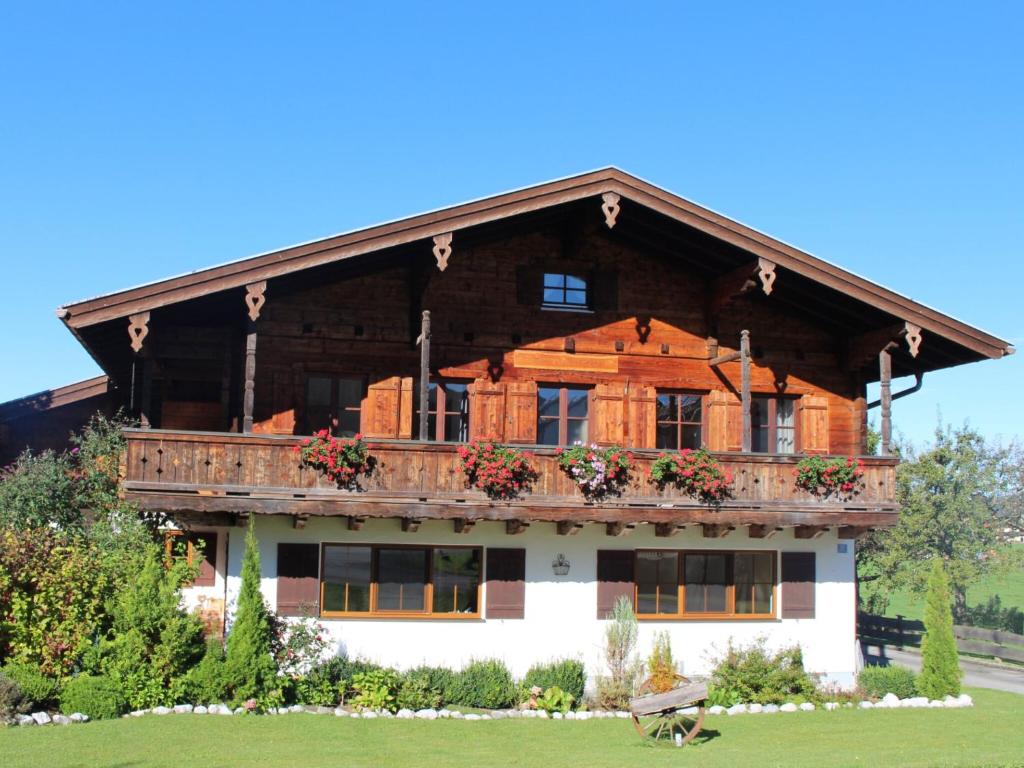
(597, 308)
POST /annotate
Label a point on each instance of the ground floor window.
(389, 580)
(198, 548)
(699, 584)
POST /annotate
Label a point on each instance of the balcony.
(206, 472)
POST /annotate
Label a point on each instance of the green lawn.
(989, 734)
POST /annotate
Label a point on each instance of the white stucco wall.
(561, 611)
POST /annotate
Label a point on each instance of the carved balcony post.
(254, 300)
(138, 330)
(745, 388)
(885, 384)
(424, 394)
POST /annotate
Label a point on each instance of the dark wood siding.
(506, 583)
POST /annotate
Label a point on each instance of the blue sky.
(138, 143)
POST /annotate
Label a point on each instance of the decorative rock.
(866, 705)
(472, 716)
(736, 709)
(770, 709)
(427, 714)
(831, 706)
(754, 709)
(528, 713)
(405, 714)
(339, 712)
(935, 703)
(295, 708)
(542, 714)
(369, 714)
(386, 714)
(485, 717)
(138, 712)
(557, 716)
(41, 718)
(200, 710)
(891, 700)
(584, 715)
(445, 714)
(623, 715)
(717, 709)
(789, 706)
(237, 711)
(62, 720)
(161, 710)
(78, 717)
(182, 709)
(807, 707)
(915, 701)
(965, 700)
(25, 720)
(456, 715)
(498, 715)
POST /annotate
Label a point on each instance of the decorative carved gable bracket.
(864, 349)
(138, 329)
(610, 207)
(913, 334)
(255, 298)
(443, 250)
(766, 271)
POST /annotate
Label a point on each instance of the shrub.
(615, 689)
(12, 701)
(416, 692)
(98, 696)
(206, 683)
(484, 683)
(249, 664)
(375, 689)
(555, 700)
(940, 665)
(339, 671)
(439, 679)
(38, 690)
(661, 667)
(752, 675)
(316, 691)
(875, 682)
(567, 674)
(302, 644)
(992, 615)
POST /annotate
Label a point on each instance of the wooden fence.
(902, 632)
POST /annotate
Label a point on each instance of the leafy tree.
(249, 665)
(940, 666)
(948, 494)
(39, 490)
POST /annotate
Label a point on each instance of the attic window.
(565, 291)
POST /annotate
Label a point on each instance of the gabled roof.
(49, 399)
(83, 314)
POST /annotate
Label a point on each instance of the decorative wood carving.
(462, 525)
(762, 531)
(355, 523)
(809, 531)
(716, 530)
(515, 527)
(299, 521)
(913, 333)
(618, 528)
(410, 524)
(766, 271)
(443, 250)
(138, 329)
(255, 298)
(667, 529)
(610, 207)
(568, 527)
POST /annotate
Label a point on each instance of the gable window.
(372, 580)
(562, 415)
(671, 583)
(773, 425)
(334, 403)
(447, 410)
(680, 421)
(565, 291)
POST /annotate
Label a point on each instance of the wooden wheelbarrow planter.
(658, 716)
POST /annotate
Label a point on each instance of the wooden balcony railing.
(206, 471)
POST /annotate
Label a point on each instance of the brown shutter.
(607, 414)
(814, 424)
(614, 578)
(506, 583)
(406, 409)
(381, 408)
(718, 420)
(529, 285)
(604, 288)
(208, 566)
(643, 416)
(521, 410)
(486, 410)
(798, 577)
(298, 578)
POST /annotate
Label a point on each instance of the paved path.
(976, 674)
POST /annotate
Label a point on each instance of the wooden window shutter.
(407, 406)
(506, 583)
(719, 427)
(814, 424)
(529, 285)
(604, 290)
(298, 578)
(798, 579)
(614, 578)
(607, 414)
(381, 408)
(521, 410)
(486, 410)
(643, 416)
(208, 565)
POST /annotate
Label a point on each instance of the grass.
(989, 734)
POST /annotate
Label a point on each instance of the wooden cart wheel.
(663, 726)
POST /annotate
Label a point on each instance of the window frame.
(564, 305)
(441, 411)
(730, 587)
(428, 588)
(772, 427)
(563, 411)
(679, 423)
(335, 377)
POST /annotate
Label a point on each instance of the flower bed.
(342, 461)
(498, 470)
(597, 472)
(695, 472)
(824, 477)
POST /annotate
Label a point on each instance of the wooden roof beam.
(809, 531)
(717, 530)
(568, 527)
(862, 350)
(410, 524)
(618, 528)
(463, 525)
(515, 527)
(762, 531)
(664, 530)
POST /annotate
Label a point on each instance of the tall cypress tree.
(940, 665)
(249, 666)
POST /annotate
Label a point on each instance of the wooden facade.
(217, 365)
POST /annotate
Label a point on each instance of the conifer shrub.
(661, 667)
(250, 670)
(940, 665)
(97, 696)
(875, 682)
(38, 690)
(567, 674)
(484, 683)
(12, 700)
(206, 683)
